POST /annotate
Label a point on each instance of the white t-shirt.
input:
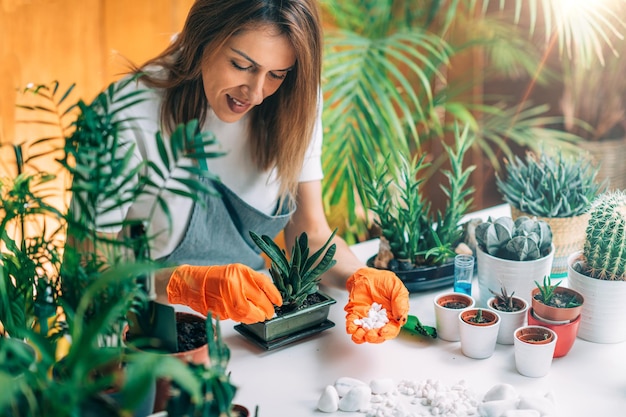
(235, 169)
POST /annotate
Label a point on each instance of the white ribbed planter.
(603, 317)
(518, 276)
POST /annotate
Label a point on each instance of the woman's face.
(250, 66)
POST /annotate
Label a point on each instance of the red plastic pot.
(566, 332)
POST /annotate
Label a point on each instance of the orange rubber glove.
(370, 285)
(233, 291)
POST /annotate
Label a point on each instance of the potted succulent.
(559, 309)
(447, 307)
(478, 331)
(598, 272)
(534, 349)
(513, 253)
(416, 244)
(305, 308)
(556, 188)
(512, 311)
(555, 303)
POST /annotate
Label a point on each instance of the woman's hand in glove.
(367, 286)
(233, 291)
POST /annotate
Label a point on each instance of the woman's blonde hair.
(281, 127)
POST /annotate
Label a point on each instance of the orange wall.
(77, 41)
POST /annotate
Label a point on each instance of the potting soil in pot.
(191, 335)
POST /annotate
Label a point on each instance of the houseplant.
(478, 331)
(556, 188)
(447, 306)
(512, 311)
(73, 290)
(559, 309)
(555, 303)
(415, 243)
(413, 91)
(305, 309)
(534, 350)
(513, 254)
(598, 271)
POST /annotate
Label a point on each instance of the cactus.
(524, 239)
(605, 241)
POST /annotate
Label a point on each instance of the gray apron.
(219, 232)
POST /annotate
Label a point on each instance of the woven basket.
(610, 154)
(568, 236)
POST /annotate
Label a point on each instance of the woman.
(249, 71)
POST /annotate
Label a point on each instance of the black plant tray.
(424, 278)
(285, 340)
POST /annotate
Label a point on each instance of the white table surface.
(590, 381)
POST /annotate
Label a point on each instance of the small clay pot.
(557, 314)
(534, 335)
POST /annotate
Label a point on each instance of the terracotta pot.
(556, 314)
(566, 332)
(447, 307)
(199, 355)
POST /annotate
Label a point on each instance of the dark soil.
(561, 300)
(311, 299)
(455, 305)
(191, 335)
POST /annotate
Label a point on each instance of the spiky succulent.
(550, 185)
(298, 276)
(524, 239)
(605, 242)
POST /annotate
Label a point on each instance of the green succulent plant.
(504, 300)
(604, 249)
(550, 185)
(524, 239)
(416, 235)
(298, 276)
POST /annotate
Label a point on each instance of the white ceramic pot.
(478, 341)
(510, 320)
(447, 319)
(533, 358)
(516, 276)
(603, 316)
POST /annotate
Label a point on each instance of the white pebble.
(376, 318)
(345, 384)
(356, 399)
(329, 400)
(381, 386)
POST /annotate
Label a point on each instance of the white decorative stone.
(496, 408)
(345, 384)
(356, 399)
(545, 405)
(381, 386)
(522, 413)
(329, 400)
(500, 392)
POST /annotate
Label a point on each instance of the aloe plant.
(524, 239)
(550, 185)
(298, 276)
